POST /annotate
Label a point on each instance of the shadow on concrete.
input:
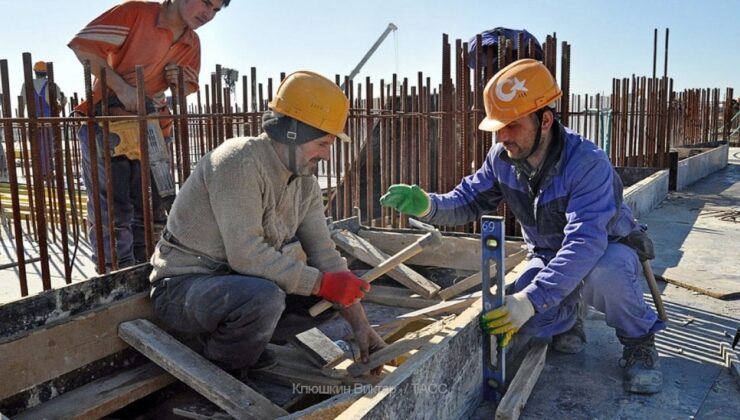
(693, 354)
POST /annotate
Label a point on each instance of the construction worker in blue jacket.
(583, 241)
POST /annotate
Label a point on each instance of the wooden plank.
(103, 396)
(219, 387)
(460, 345)
(367, 253)
(521, 386)
(461, 393)
(410, 342)
(311, 381)
(396, 333)
(327, 409)
(474, 280)
(55, 305)
(47, 352)
(397, 297)
(318, 348)
(460, 253)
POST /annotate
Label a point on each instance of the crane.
(391, 27)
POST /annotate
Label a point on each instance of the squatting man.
(584, 244)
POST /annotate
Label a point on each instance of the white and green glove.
(508, 319)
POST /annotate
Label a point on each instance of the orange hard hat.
(518, 89)
(40, 66)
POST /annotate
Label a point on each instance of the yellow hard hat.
(40, 66)
(518, 89)
(314, 100)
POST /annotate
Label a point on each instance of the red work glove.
(342, 287)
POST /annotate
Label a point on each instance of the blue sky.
(608, 38)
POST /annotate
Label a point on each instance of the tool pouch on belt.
(641, 243)
(125, 138)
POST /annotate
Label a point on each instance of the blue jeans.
(613, 287)
(235, 315)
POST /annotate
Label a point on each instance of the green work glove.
(407, 199)
(506, 320)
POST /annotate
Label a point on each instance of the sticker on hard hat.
(518, 87)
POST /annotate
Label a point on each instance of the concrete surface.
(697, 167)
(83, 267)
(697, 232)
(643, 196)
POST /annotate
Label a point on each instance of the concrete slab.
(696, 232)
(82, 268)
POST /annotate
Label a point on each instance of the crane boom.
(391, 27)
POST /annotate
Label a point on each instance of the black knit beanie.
(277, 127)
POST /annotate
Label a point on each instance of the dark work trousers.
(234, 315)
(128, 210)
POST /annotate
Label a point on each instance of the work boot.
(573, 340)
(642, 374)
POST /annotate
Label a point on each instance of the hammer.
(429, 240)
(653, 285)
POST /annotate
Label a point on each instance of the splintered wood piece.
(397, 297)
(207, 379)
(367, 253)
(319, 348)
(392, 351)
(521, 386)
(474, 280)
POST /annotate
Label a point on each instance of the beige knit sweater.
(238, 208)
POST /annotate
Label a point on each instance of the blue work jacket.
(569, 220)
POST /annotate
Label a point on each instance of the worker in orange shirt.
(160, 37)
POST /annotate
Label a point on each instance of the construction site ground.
(696, 232)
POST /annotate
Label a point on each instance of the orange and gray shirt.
(132, 34)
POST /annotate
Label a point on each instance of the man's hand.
(127, 96)
(506, 320)
(188, 74)
(342, 287)
(369, 342)
(407, 199)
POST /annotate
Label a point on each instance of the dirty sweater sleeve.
(474, 196)
(237, 204)
(315, 238)
(590, 208)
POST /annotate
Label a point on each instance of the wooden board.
(318, 348)
(367, 253)
(55, 305)
(392, 351)
(450, 361)
(310, 381)
(219, 387)
(521, 386)
(47, 352)
(103, 396)
(460, 253)
(327, 409)
(474, 280)
(397, 297)
(454, 361)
